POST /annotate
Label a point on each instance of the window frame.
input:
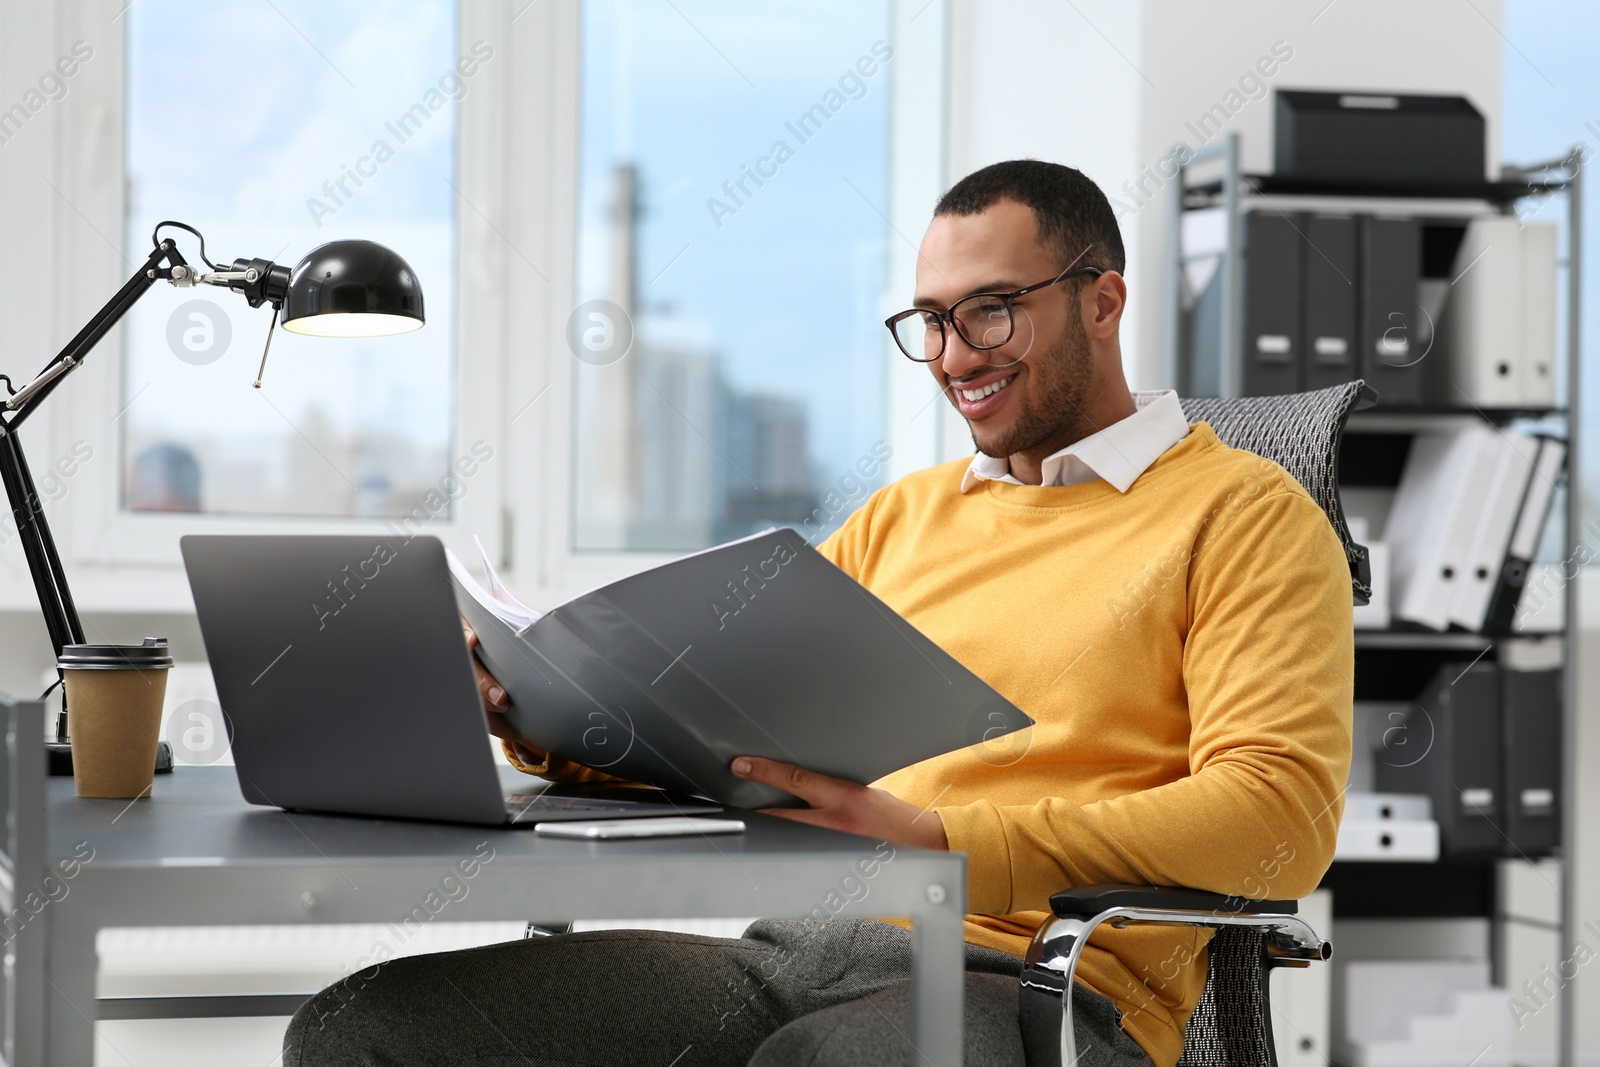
(517, 158)
(919, 433)
(99, 540)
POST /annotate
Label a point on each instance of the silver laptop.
(347, 685)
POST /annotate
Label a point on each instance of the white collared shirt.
(1119, 453)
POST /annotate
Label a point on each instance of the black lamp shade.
(352, 289)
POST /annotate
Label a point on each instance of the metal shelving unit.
(1233, 191)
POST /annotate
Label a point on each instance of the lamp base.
(59, 757)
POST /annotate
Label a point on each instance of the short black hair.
(1072, 213)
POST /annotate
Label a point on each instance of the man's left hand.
(841, 805)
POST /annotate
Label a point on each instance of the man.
(1173, 613)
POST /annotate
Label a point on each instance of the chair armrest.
(1089, 900)
(1280, 939)
(1288, 939)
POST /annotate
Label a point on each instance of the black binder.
(1450, 749)
(1392, 337)
(1329, 351)
(1270, 360)
(1532, 730)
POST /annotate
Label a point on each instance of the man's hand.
(495, 701)
(842, 805)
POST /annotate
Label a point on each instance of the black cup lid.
(151, 655)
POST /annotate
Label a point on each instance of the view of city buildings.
(674, 457)
(745, 255)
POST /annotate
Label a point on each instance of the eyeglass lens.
(983, 321)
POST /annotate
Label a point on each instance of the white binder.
(1499, 321)
(1501, 505)
(1536, 505)
(1483, 314)
(1538, 314)
(1431, 522)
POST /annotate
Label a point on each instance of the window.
(1549, 79)
(732, 218)
(272, 129)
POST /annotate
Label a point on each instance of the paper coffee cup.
(114, 695)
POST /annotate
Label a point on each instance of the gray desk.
(196, 854)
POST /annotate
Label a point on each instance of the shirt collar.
(1118, 454)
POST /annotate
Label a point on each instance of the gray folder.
(1332, 346)
(1450, 747)
(1394, 336)
(1532, 742)
(760, 647)
(1270, 362)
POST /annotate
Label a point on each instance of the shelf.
(1447, 888)
(1494, 414)
(1422, 640)
(1498, 192)
(1409, 639)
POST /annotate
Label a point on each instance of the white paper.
(497, 599)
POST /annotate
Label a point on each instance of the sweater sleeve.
(1268, 668)
(846, 548)
(530, 760)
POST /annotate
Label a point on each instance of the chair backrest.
(1231, 1025)
(1300, 432)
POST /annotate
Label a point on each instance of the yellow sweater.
(1186, 651)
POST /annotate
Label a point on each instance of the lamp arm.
(44, 562)
(38, 545)
(30, 396)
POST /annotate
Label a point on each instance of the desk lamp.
(340, 289)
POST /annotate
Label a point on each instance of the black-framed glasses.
(984, 320)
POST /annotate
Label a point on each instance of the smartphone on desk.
(664, 826)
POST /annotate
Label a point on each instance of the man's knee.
(867, 1031)
(802, 1041)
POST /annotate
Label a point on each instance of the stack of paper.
(497, 599)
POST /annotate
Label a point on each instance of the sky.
(1552, 102)
(786, 283)
(786, 287)
(247, 169)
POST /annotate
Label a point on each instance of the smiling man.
(1174, 614)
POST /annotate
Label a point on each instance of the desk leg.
(69, 1004)
(938, 983)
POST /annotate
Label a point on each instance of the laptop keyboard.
(520, 802)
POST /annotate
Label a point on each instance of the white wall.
(1107, 85)
(1046, 80)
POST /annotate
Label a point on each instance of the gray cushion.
(1300, 432)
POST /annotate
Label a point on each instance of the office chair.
(1231, 1025)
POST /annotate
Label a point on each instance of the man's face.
(1030, 391)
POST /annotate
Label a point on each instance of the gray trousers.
(786, 993)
